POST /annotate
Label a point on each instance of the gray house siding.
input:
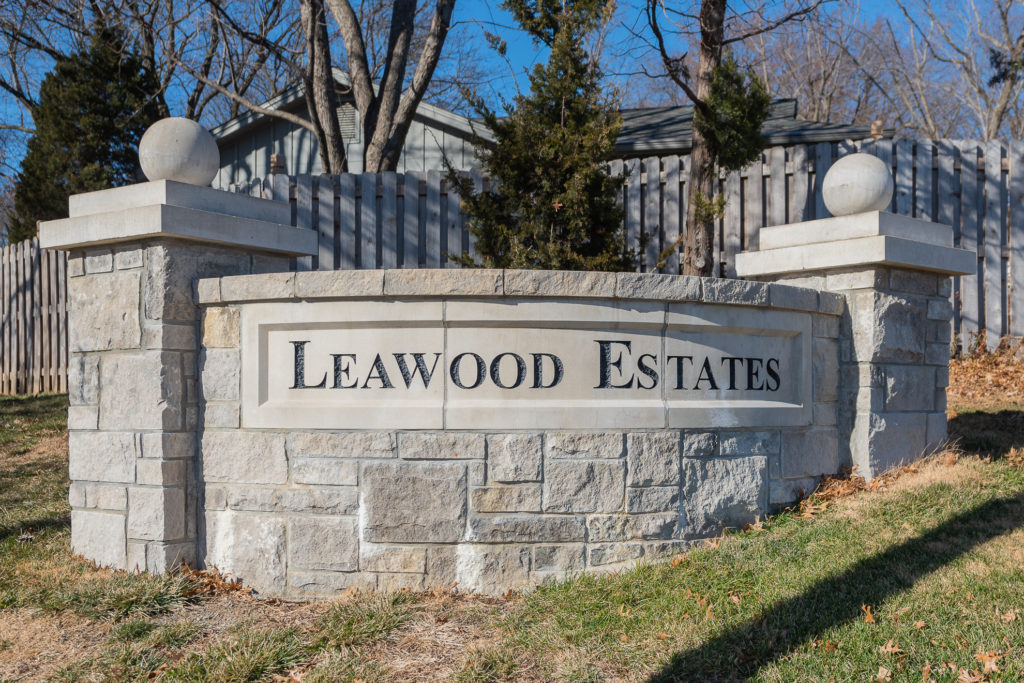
(245, 154)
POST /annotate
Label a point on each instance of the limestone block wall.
(894, 361)
(306, 512)
(134, 399)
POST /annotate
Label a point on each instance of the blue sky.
(479, 15)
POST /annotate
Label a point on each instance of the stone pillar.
(133, 327)
(895, 273)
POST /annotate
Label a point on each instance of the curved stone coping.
(346, 284)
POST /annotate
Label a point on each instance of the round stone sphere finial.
(179, 149)
(857, 183)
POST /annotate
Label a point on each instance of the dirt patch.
(434, 644)
(217, 616)
(48, 448)
(35, 645)
(945, 468)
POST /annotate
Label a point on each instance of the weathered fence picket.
(415, 220)
(1015, 239)
(33, 308)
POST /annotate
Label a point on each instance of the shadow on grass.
(33, 526)
(42, 406)
(16, 478)
(989, 434)
(739, 652)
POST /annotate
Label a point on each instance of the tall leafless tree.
(812, 61)
(959, 38)
(926, 71)
(709, 20)
(386, 84)
(387, 111)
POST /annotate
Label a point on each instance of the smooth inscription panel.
(522, 364)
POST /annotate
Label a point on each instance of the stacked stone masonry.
(134, 402)
(309, 513)
(894, 351)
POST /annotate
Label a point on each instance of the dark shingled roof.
(664, 130)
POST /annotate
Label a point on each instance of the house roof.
(658, 130)
(670, 129)
(291, 99)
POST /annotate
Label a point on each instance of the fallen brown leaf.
(868, 616)
(883, 675)
(890, 648)
(211, 582)
(757, 525)
(989, 661)
(919, 625)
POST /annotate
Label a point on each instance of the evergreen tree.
(552, 203)
(93, 109)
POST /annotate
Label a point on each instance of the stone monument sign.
(311, 431)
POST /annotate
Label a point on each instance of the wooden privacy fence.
(34, 336)
(413, 221)
(978, 188)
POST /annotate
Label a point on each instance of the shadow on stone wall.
(741, 651)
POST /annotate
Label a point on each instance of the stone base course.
(408, 513)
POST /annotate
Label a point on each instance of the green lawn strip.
(33, 492)
(249, 655)
(357, 623)
(786, 604)
(932, 563)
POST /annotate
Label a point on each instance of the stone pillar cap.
(875, 238)
(166, 208)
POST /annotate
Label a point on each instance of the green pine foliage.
(551, 203)
(736, 111)
(93, 109)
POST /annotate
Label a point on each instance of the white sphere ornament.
(857, 183)
(179, 149)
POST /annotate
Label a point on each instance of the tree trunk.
(321, 98)
(387, 111)
(698, 251)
